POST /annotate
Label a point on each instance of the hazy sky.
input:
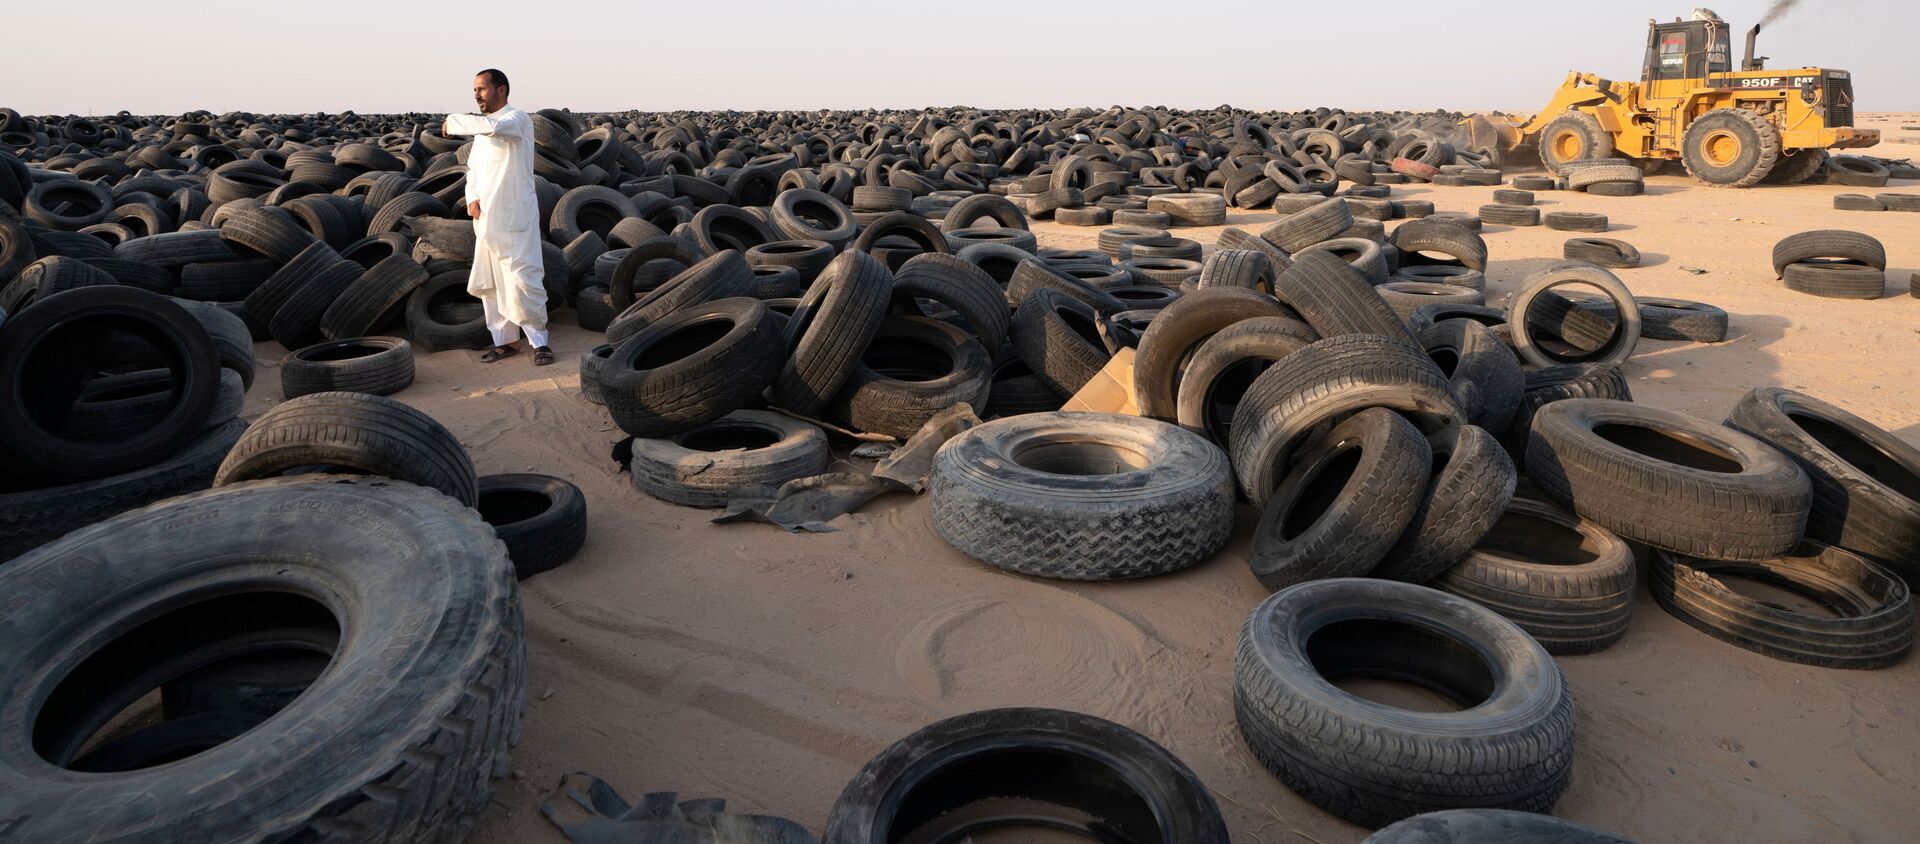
(107, 55)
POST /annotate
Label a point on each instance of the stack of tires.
(117, 397)
(1833, 264)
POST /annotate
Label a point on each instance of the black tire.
(378, 366)
(1514, 197)
(232, 343)
(1857, 202)
(1871, 625)
(1336, 299)
(1797, 167)
(1455, 276)
(591, 362)
(1573, 136)
(1230, 238)
(541, 518)
(1752, 147)
(806, 257)
(354, 432)
(1669, 480)
(1681, 319)
(1621, 340)
(1031, 275)
(719, 228)
(1426, 316)
(593, 309)
(902, 224)
(1565, 580)
(1366, 255)
(1166, 272)
(965, 213)
(177, 249)
(1178, 330)
(1557, 383)
(264, 303)
(1326, 381)
(1218, 372)
(1836, 279)
(1248, 268)
(31, 518)
(1510, 215)
(225, 281)
(374, 301)
(16, 248)
(114, 407)
(724, 275)
(1617, 189)
(828, 332)
(442, 315)
(649, 265)
(1489, 826)
(1575, 221)
(1111, 239)
(1344, 504)
(959, 285)
(914, 368)
(1483, 371)
(422, 705)
(60, 336)
(1371, 764)
(708, 465)
(1405, 297)
(1472, 481)
(588, 208)
(1059, 338)
(1082, 496)
(266, 233)
(1323, 221)
(930, 783)
(1866, 481)
(1460, 245)
(296, 322)
(1602, 251)
(1535, 183)
(1858, 171)
(1016, 390)
(49, 276)
(691, 368)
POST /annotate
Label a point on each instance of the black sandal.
(542, 356)
(499, 353)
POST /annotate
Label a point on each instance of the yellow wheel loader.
(1731, 128)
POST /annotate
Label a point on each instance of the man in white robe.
(507, 268)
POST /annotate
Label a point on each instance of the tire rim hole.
(1670, 446)
(1859, 453)
(681, 344)
(908, 359)
(1081, 325)
(1223, 398)
(721, 436)
(178, 683)
(341, 351)
(1523, 536)
(1401, 665)
(502, 507)
(1081, 458)
(1771, 590)
(1067, 795)
(1323, 486)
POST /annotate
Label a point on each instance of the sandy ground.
(740, 661)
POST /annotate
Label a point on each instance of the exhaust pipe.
(1752, 63)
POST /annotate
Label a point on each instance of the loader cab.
(1686, 50)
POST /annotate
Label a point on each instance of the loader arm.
(1579, 89)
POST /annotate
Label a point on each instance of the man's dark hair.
(496, 78)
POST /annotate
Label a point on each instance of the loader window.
(1685, 51)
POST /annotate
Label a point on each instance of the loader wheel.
(1796, 167)
(1573, 136)
(1731, 148)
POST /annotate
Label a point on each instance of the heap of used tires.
(1391, 436)
(366, 614)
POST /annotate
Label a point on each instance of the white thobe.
(507, 268)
